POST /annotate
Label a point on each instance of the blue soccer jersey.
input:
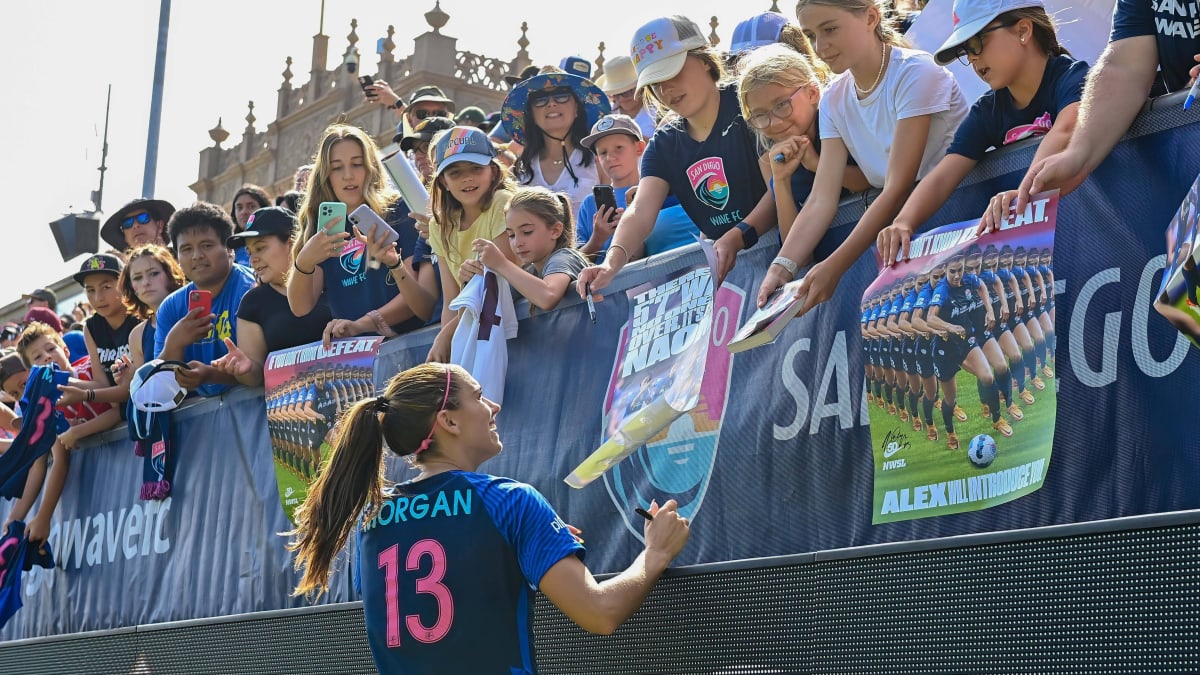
(448, 571)
(923, 298)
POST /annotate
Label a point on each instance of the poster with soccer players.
(307, 388)
(958, 345)
(667, 391)
(1177, 294)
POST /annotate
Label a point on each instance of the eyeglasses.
(780, 110)
(422, 114)
(140, 219)
(623, 95)
(542, 98)
(974, 44)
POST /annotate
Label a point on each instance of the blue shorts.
(949, 353)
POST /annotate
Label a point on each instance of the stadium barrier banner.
(796, 467)
(952, 335)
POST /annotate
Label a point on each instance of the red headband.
(445, 397)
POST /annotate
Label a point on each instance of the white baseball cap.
(154, 388)
(659, 48)
(972, 16)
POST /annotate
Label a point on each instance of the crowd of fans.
(690, 140)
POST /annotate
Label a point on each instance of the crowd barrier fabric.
(793, 467)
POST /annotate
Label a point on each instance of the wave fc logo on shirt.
(708, 181)
(352, 256)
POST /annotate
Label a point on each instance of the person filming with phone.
(365, 271)
(618, 144)
(195, 320)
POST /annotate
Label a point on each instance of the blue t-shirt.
(671, 230)
(224, 305)
(241, 256)
(353, 288)
(717, 180)
(995, 121)
(910, 301)
(1176, 28)
(448, 571)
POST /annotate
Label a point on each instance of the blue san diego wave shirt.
(448, 570)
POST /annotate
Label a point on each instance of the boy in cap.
(41, 345)
(106, 331)
(618, 145)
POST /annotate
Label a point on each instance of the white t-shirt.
(488, 319)
(588, 175)
(913, 85)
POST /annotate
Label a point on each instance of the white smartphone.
(368, 222)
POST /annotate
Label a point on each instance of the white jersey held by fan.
(487, 320)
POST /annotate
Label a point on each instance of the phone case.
(200, 299)
(604, 197)
(368, 222)
(327, 211)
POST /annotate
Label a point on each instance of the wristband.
(297, 266)
(623, 250)
(787, 264)
(381, 326)
(91, 395)
(749, 235)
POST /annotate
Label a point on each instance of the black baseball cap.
(425, 130)
(43, 294)
(99, 263)
(265, 222)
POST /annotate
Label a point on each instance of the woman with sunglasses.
(779, 91)
(140, 222)
(548, 115)
(1036, 89)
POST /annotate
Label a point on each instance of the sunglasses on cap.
(542, 98)
(422, 114)
(140, 219)
(974, 44)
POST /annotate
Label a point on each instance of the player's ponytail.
(351, 482)
(352, 477)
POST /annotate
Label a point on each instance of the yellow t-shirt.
(489, 225)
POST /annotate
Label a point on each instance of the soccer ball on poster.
(982, 450)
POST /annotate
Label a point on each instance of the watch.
(749, 234)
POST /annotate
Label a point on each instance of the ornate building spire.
(436, 18)
(713, 38)
(218, 134)
(600, 61)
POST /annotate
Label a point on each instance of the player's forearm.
(619, 597)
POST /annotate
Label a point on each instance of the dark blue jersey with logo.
(448, 571)
(960, 305)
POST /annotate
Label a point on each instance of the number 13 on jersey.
(431, 584)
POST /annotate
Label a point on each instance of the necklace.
(879, 76)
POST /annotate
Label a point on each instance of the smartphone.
(604, 197)
(201, 299)
(327, 213)
(368, 222)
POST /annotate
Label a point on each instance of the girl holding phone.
(332, 263)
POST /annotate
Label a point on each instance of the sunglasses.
(623, 95)
(542, 99)
(140, 219)
(974, 44)
(422, 114)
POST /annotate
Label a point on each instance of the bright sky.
(220, 54)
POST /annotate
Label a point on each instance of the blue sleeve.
(583, 220)
(971, 139)
(923, 297)
(1132, 18)
(651, 164)
(894, 310)
(910, 300)
(939, 294)
(1069, 87)
(422, 253)
(866, 316)
(526, 520)
(170, 312)
(970, 280)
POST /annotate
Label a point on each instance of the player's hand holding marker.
(666, 533)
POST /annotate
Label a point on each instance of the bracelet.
(381, 326)
(392, 267)
(91, 395)
(297, 266)
(623, 250)
(787, 264)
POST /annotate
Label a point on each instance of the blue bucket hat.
(595, 103)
